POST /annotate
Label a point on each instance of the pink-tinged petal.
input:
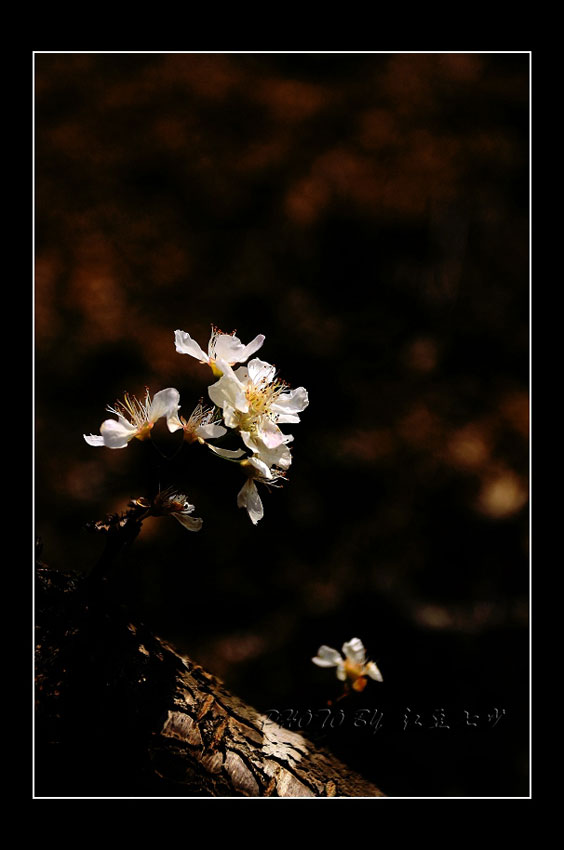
(289, 404)
(192, 523)
(251, 348)
(165, 403)
(210, 432)
(261, 371)
(94, 439)
(354, 651)
(327, 657)
(270, 434)
(186, 345)
(372, 671)
(248, 498)
(117, 434)
(279, 456)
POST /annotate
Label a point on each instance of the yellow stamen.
(353, 670)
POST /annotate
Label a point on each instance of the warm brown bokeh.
(369, 213)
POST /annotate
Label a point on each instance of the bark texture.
(121, 713)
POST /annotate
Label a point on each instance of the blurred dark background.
(369, 213)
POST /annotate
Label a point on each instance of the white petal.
(289, 404)
(211, 431)
(372, 671)
(94, 439)
(341, 672)
(117, 434)
(248, 498)
(251, 348)
(242, 374)
(269, 433)
(165, 403)
(261, 466)
(229, 348)
(186, 345)
(259, 445)
(228, 390)
(230, 416)
(174, 423)
(227, 453)
(226, 347)
(279, 456)
(249, 440)
(354, 651)
(192, 523)
(327, 657)
(259, 371)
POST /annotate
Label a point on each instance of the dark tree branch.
(121, 713)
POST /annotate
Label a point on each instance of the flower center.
(216, 333)
(137, 412)
(353, 670)
(144, 432)
(261, 397)
(215, 369)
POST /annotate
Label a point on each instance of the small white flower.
(135, 418)
(255, 402)
(353, 668)
(170, 503)
(222, 346)
(248, 497)
(202, 425)
(278, 457)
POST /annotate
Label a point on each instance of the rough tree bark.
(120, 713)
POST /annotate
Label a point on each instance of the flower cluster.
(253, 402)
(250, 401)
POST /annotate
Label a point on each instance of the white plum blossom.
(135, 419)
(249, 401)
(353, 668)
(202, 425)
(170, 503)
(222, 346)
(254, 401)
(248, 496)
